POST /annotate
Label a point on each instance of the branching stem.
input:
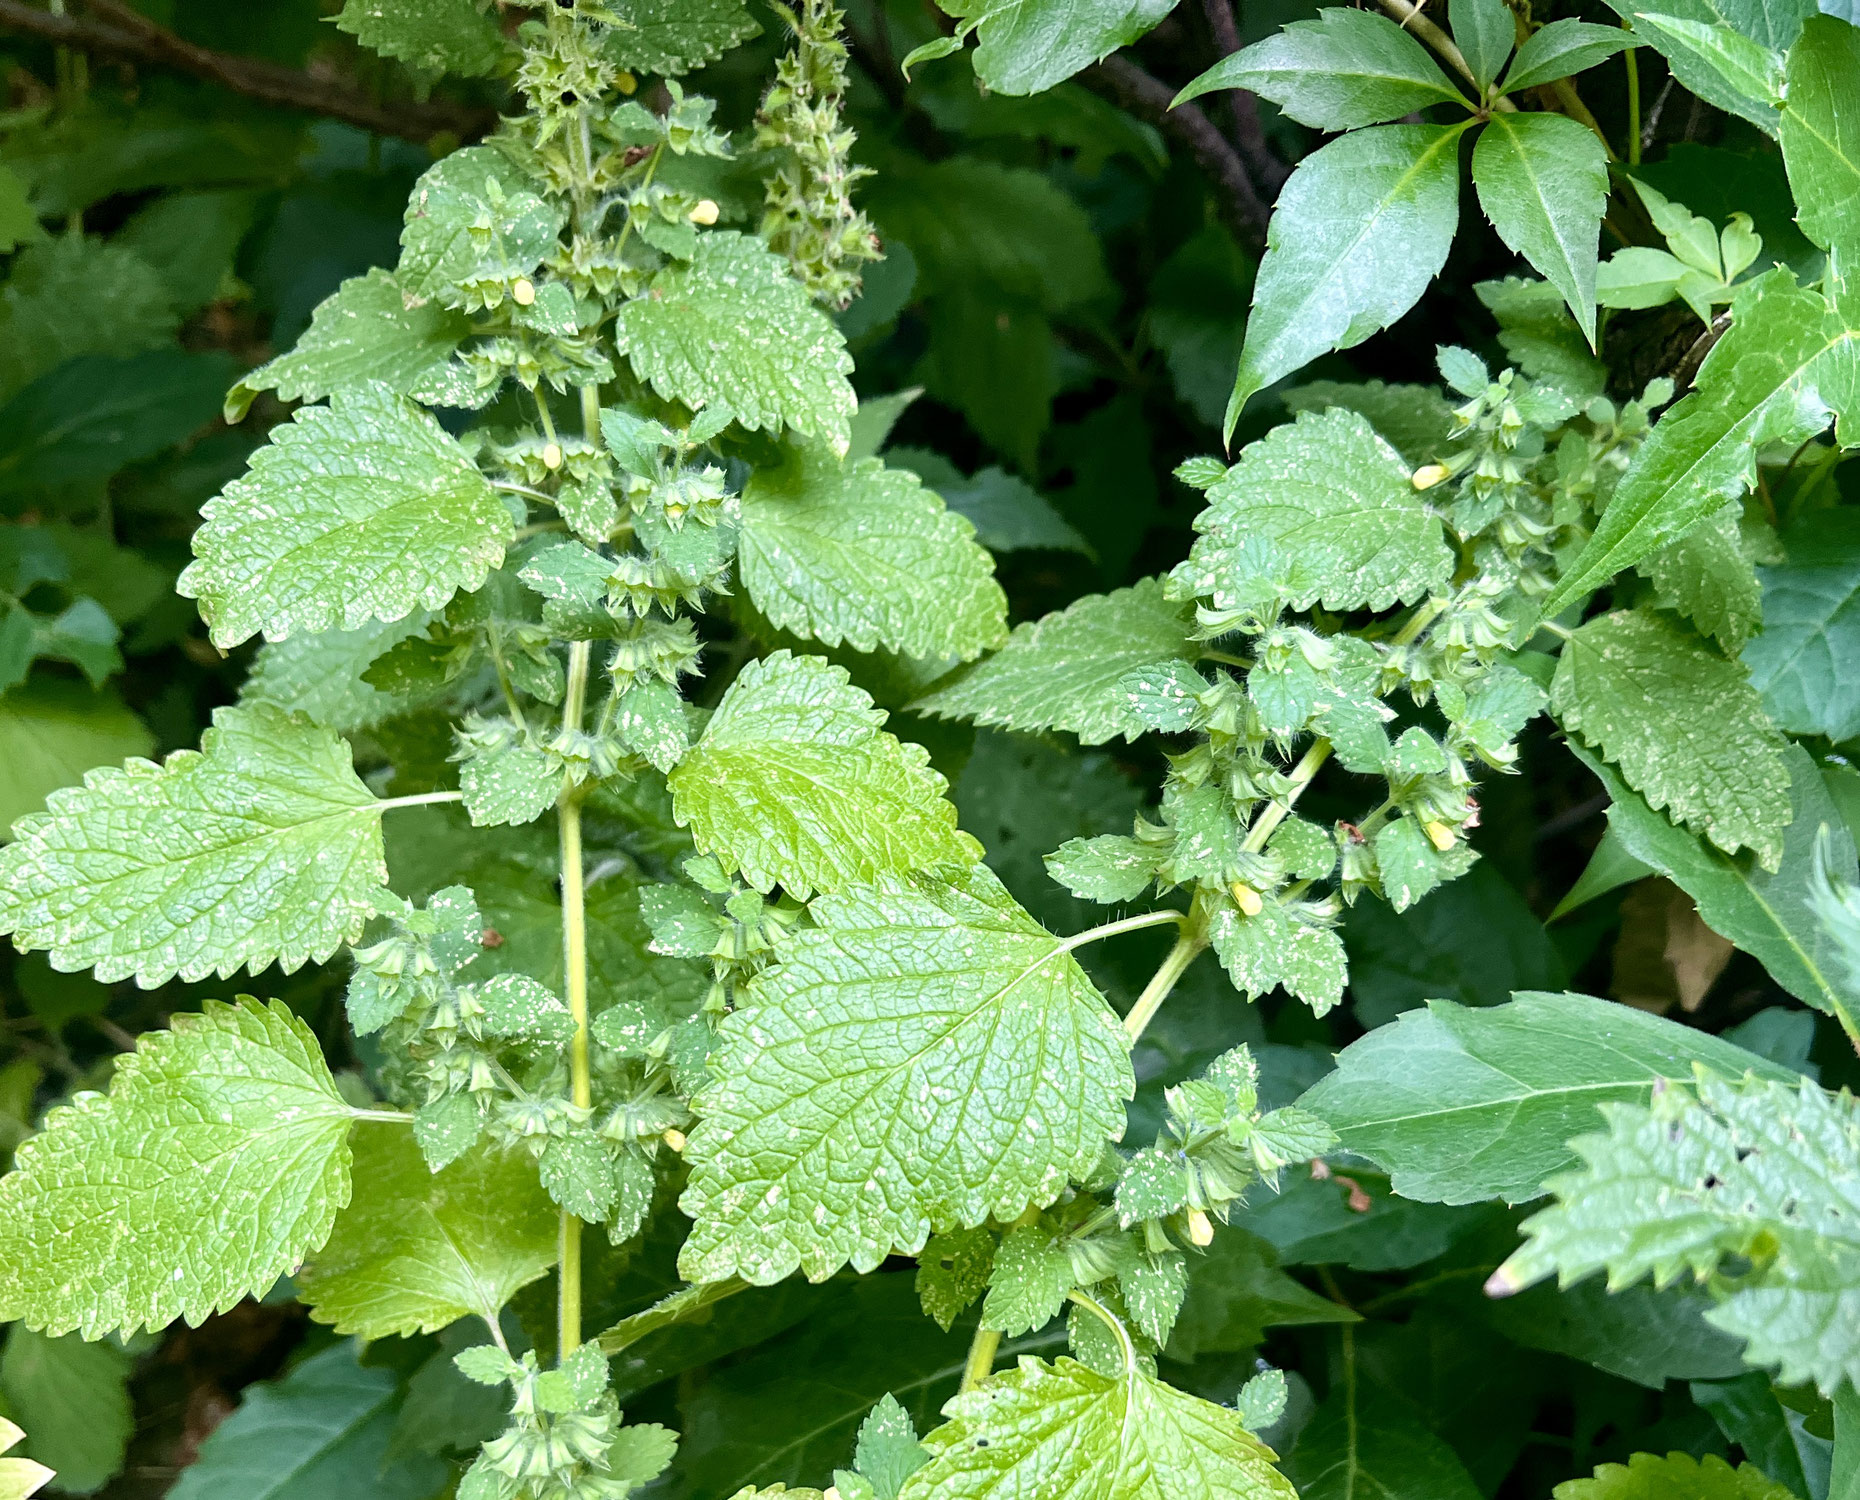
(1187, 948)
(1412, 20)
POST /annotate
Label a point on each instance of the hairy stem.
(1116, 1327)
(575, 971)
(1187, 948)
(1115, 929)
(981, 1361)
(1277, 812)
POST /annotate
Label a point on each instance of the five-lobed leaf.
(925, 1056)
(262, 847)
(217, 1159)
(365, 509)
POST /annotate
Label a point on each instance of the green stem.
(1417, 622)
(1115, 929)
(1116, 1327)
(575, 981)
(382, 1116)
(1187, 948)
(1633, 101)
(1412, 20)
(422, 799)
(1277, 812)
(981, 1361)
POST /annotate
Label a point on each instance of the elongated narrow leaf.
(794, 782)
(1065, 671)
(1543, 182)
(1027, 46)
(1561, 49)
(1820, 131)
(1461, 1104)
(1062, 1429)
(1722, 66)
(365, 509)
(416, 1249)
(1485, 34)
(923, 1057)
(217, 1159)
(1361, 228)
(1343, 69)
(860, 553)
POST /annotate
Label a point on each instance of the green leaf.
(1647, 1476)
(1027, 46)
(1008, 514)
(1343, 69)
(325, 1429)
(1629, 684)
(1543, 182)
(18, 222)
(1367, 1441)
(434, 36)
(69, 296)
(1749, 1413)
(1639, 1334)
(888, 1452)
(261, 847)
(1784, 366)
(1561, 49)
(1462, 1104)
(319, 675)
(670, 37)
(1820, 131)
(1236, 1291)
(794, 782)
(20, 1478)
(366, 330)
(1706, 576)
(1540, 337)
(787, 363)
(51, 733)
(1484, 32)
(1275, 950)
(926, 1056)
(1065, 671)
(1755, 1169)
(217, 1159)
(1609, 868)
(862, 553)
(365, 509)
(1063, 1429)
(416, 1250)
(1320, 510)
(1028, 1283)
(1361, 228)
(1313, 1221)
(446, 252)
(1721, 66)
(513, 781)
(74, 1398)
(1415, 419)
(1811, 628)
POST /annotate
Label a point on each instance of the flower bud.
(524, 292)
(675, 1139)
(1439, 835)
(1200, 1228)
(1429, 475)
(705, 212)
(552, 456)
(1246, 898)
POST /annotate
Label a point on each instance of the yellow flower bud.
(1200, 1228)
(524, 292)
(705, 212)
(626, 83)
(1429, 475)
(675, 1139)
(1440, 836)
(552, 455)
(1246, 898)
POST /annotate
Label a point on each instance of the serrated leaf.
(952, 1271)
(787, 363)
(319, 675)
(1706, 576)
(1027, 46)
(364, 331)
(1367, 1441)
(862, 553)
(888, 1452)
(926, 1056)
(1028, 1283)
(670, 37)
(1543, 182)
(1811, 628)
(1065, 671)
(1110, 869)
(261, 847)
(1781, 370)
(437, 36)
(1415, 419)
(1008, 514)
(1462, 1104)
(1720, 65)
(1647, 1476)
(365, 509)
(1342, 69)
(69, 295)
(1320, 510)
(1820, 131)
(1540, 337)
(795, 783)
(217, 1159)
(514, 782)
(1754, 1169)
(1629, 684)
(416, 1249)
(444, 246)
(1063, 1429)
(1561, 49)
(1275, 950)
(1362, 226)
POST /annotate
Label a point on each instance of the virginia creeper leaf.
(1820, 131)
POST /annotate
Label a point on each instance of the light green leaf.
(1415, 419)
(1706, 576)
(888, 1452)
(862, 553)
(1320, 510)
(261, 847)
(1639, 277)
(326, 1429)
(445, 252)
(365, 509)
(1820, 131)
(1461, 1104)
(1342, 69)
(319, 675)
(670, 37)
(416, 1250)
(1774, 23)
(795, 782)
(787, 363)
(1629, 684)
(20, 1478)
(1811, 629)
(514, 781)
(51, 733)
(69, 296)
(926, 1056)
(1367, 1441)
(1484, 32)
(1063, 1429)
(435, 36)
(1027, 46)
(1561, 49)
(366, 330)
(1065, 671)
(1028, 1283)
(217, 1159)
(1782, 369)
(74, 1398)
(1754, 1169)
(1276, 950)
(1677, 1476)
(1723, 67)
(1543, 182)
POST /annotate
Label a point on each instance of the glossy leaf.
(1820, 131)
(1811, 626)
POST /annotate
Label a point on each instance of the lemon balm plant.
(576, 546)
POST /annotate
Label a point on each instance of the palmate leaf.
(1630, 685)
(795, 783)
(439, 36)
(864, 554)
(261, 847)
(1677, 1476)
(731, 328)
(1754, 1169)
(1066, 670)
(1320, 510)
(217, 1159)
(416, 1250)
(365, 509)
(1063, 1429)
(925, 1056)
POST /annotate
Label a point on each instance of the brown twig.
(1148, 97)
(111, 29)
(1242, 104)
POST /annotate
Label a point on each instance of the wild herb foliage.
(638, 725)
